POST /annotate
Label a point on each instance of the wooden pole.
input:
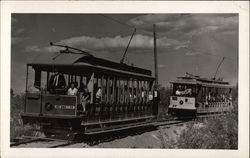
(26, 87)
(155, 57)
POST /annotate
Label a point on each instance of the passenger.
(143, 95)
(72, 90)
(57, 81)
(156, 100)
(188, 91)
(206, 100)
(85, 98)
(150, 97)
(223, 97)
(98, 95)
(81, 87)
(130, 96)
(134, 97)
(179, 90)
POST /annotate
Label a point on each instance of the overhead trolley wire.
(125, 24)
(115, 20)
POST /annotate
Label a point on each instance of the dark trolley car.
(122, 101)
(193, 95)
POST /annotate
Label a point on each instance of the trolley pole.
(155, 57)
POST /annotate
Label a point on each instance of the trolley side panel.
(60, 105)
(33, 101)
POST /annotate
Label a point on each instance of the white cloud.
(181, 46)
(162, 66)
(117, 43)
(192, 53)
(33, 48)
(15, 40)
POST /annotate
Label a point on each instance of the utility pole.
(155, 57)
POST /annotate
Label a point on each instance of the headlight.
(48, 106)
(181, 102)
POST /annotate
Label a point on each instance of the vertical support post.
(69, 79)
(26, 87)
(102, 88)
(118, 91)
(108, 89)
(90, 86)
(155, 57)
(132, 95)
(132, 88)
(47, 82)
(114, 91)
(137, 91)
(123, 91)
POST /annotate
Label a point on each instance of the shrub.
(16, 125)
(165, 94)
(216, 133)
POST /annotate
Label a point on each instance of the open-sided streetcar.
(193, 95)
(108, 95)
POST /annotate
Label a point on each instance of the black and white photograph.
(124, 81)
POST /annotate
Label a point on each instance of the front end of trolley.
(183, 99)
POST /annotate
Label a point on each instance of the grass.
(217, 133)
(17, 129)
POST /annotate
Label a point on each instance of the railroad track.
(95, 139)
(51, 143)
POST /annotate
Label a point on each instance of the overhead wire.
(115, 20)
(125, 24)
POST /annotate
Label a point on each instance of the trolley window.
(187, 90)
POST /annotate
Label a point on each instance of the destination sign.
(68, 107)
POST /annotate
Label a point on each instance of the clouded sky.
(193, 43)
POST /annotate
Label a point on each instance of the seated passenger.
(188, 91)
(143, 95)
(72, 90)
(179, 90)
(98, 95)
(150, 97)
(84, 99)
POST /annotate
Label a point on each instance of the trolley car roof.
(69, 62)
(201, 81)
